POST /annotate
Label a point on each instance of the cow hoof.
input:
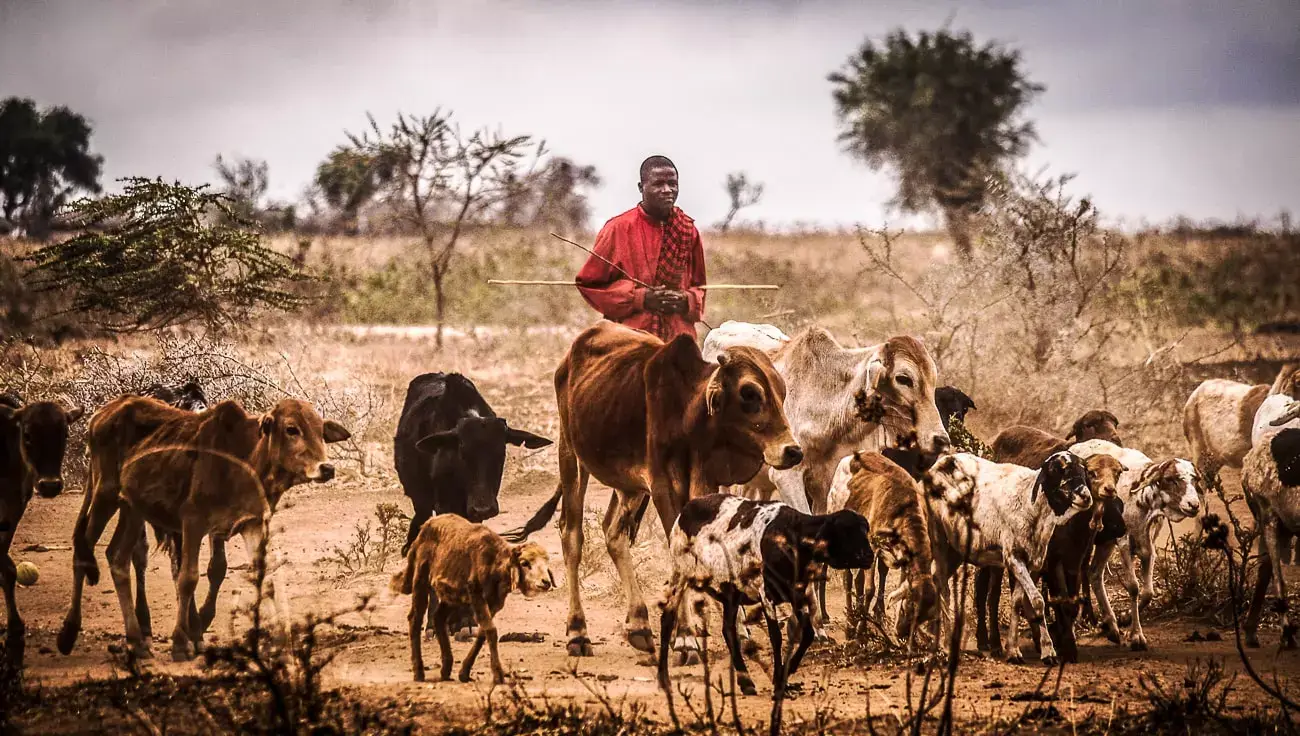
(1252, 641)
(182, 652)
(67, 638)
(997, 652)
(1139, 644)
(746, 686)
(641, 640)
(580, 646)
(464, 677)
(1051, 660)
(1016, 659)
(418, 675)
(688, 657)
(1113, 636)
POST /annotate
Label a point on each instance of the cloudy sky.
(1162, 107)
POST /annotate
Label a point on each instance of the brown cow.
(33, 439)
(454, 562)
(1031, 446)
(644, 417)
(1219, 417)
(220, 472)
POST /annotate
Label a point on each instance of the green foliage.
(151, 258)
(963, 440)
(1227, 282)
(350, 178)
(943, 113)
(44, 158)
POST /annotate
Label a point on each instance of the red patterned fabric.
(663, 254)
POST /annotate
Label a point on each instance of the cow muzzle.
(49, 487)
(324, 473)
(790, 456)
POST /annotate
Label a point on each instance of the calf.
(743, 552)
(450, 450)
(1151, 492)
(1001, 514)
(220, 472)
(648, 418)
(455, 563)
(1030, 446)
(188, 396)
(882, 492)
(33, 440)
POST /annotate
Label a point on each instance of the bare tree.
(743, 193)
(445, 182)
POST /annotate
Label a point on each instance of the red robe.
(633, 240)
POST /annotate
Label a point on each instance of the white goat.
(1151, 492)
(1000, 514)
(1270, 478)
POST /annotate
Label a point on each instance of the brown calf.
(648, 418)
(454, 562)
(33, 439)
(219, 472)
(1030, 446)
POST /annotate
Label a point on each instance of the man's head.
(658, 186)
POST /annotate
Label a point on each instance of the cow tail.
(539, 520)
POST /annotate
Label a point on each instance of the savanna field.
(1034, 335)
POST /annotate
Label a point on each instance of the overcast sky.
(1162, 107)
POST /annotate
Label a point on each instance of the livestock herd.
(768, 459)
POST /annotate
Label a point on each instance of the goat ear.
(527, 439)
(713, 392)
(438, 441)
(1075, 430)
(1114, 419)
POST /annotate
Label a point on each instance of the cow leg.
(120, 550)
(140, 561)
(619, 516)
(667, 622)
(16, 631)
(422, 514)
(216, 576)
(573, 487)
(96, 510)
(882, 577)
(730, 609)
(441, 615)
(1262, 580)
(414, 620)
(184, 637)
(174, 554)
(487, 629)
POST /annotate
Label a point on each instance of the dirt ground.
(317, 519)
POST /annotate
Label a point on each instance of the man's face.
(659, 189)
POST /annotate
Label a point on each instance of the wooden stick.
(706, 287)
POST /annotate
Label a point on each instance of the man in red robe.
(654, 243)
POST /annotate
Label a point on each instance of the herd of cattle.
(769, 459)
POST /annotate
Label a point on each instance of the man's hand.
(666, 301)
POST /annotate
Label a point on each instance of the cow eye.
(526, 563)
(903, 380)
(292, 431)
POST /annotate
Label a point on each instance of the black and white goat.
(1270, 477)
(743, 552)
(1151, 492)
(988, 513)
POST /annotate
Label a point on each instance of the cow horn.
(713, 392)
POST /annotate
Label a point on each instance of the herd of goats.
(770, 460)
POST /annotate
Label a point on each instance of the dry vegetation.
(1091, 333)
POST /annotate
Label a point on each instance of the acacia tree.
(161, 254)
(942, 112)
(743, 193)
(349, 179)
(44, 158)
(444, 182)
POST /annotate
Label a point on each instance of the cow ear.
(875, 371)
(527, 439)
(438, 441)
(267, 424)
(713, 392)
(76, 414)
(335, 432)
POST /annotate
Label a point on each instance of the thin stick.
(635, 280)
(706, 287)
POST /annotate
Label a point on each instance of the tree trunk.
(958, 222)
(440, 300)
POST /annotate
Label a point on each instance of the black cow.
(450, 450)
(188, 396)
(33, 440)
(952, 401)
